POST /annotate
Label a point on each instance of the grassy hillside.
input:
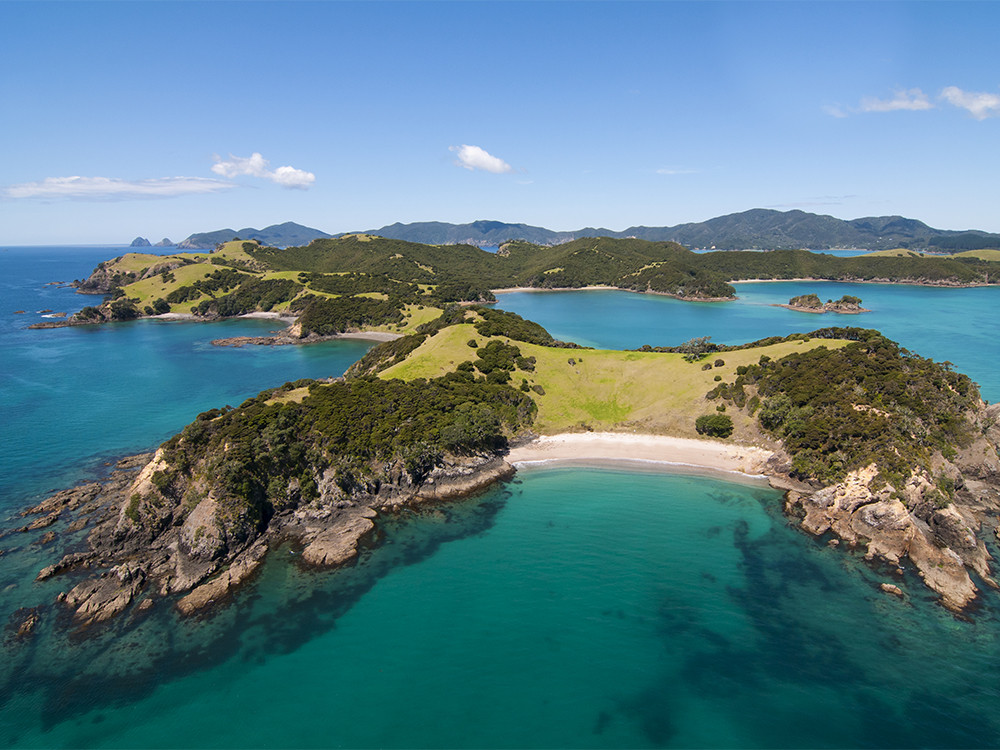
(363, 282)
(581, 389)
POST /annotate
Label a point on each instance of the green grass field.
(988, 254)
(155, 287)
(648, 392)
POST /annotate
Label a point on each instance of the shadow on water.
(281, 610)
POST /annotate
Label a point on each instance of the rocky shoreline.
(824, 309)
(943, 540)
(122, 569)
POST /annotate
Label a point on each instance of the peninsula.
(875, 446)
(889, 452)
(365, 282)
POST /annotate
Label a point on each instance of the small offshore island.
(811, 303)
(874, 446)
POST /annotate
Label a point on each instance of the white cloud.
(473, 157)
(675, 170)
(257, 166)
(911, 100)
(979, 104)
(834, 110)
(111, 188)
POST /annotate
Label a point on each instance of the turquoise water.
(570, 608)
(957, 325)
(73, 398)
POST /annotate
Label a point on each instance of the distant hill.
(277, 235)
(140, 242)
(479, 233)
(756, 229)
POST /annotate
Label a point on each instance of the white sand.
(512, 289)
(712, 455)
(370, 335)
(268, 315)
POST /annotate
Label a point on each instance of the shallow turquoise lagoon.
(570, 608)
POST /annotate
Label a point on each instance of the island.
(873, 446)
(811, 303)
(361, 282)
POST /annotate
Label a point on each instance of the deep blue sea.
(604, 607)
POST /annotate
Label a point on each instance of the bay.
(942, 323)
(570, 608)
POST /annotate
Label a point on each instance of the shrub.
(714, 425)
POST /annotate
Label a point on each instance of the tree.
(714, 425)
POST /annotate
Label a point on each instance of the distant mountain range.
(277, 235)
(757, 229)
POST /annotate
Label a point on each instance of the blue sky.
(121, 119)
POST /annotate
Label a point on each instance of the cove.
(945, 324)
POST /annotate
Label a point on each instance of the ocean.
(572, 607)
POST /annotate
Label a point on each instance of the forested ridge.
(870, 402)
(246, 277)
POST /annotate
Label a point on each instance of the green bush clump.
(714, 425)
(497, 355)
(513, 326)
(325, 316)
(250, 296)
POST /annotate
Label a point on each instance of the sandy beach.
(512, 289)
(705, 455)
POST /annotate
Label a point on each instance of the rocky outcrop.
(140, 242)
(811, 303)
(108, 276)
(917, 523)
(190, 553)
(333, 545)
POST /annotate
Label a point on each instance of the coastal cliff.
(884, 451)
(875, 447)
(310, 463)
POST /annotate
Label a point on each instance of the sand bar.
(710, 455)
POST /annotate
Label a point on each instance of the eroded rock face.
(146, 542)
(336, 544)
(908, 525)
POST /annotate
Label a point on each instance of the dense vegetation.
(502, 323)
(252, 295)
(871, 401)
(714, 425)
(406, 273)
(800, 264)
(806, 300)
(218, 281)
(270, 453)
(327, 316)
